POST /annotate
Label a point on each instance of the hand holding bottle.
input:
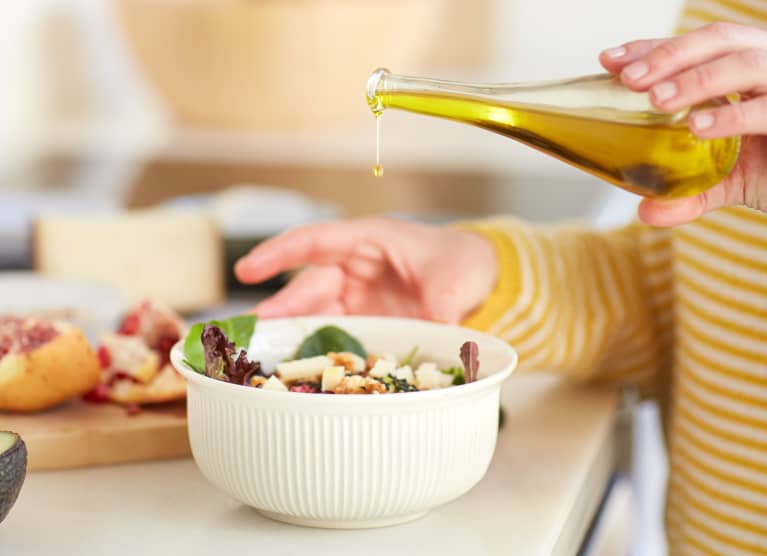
(707, 63)
(374, 266)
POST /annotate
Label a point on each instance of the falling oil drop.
(378, 169)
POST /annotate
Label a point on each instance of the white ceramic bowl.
(349, 461)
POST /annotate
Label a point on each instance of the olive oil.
(611, 133)
(378, 169)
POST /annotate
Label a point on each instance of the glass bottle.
(593, 123)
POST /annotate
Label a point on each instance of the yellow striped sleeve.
(697, 13)
(594, 305)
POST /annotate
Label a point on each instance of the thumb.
(664, 213)
(671, 213)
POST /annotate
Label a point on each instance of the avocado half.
(13, 470)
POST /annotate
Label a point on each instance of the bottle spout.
(374, 83)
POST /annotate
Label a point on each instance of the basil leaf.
(238, 330)
(326, 339)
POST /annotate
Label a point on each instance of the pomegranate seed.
(130, 325)
(309, 388)
(100, 394)
(105, 359)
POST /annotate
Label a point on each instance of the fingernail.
(615, 52)
(664, 91)
(703, 120)
(636, 70)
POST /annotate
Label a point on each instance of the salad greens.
(394, 384)
(329, 339)
(322, 362)
(457, 374)
(470, 360)
(238, 330)
(219, 358)
(409, 357)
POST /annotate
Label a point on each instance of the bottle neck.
(598, 94)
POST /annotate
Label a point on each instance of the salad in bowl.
(342, 422)
(328, 361)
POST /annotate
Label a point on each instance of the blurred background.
(241, 118)
(129, 103)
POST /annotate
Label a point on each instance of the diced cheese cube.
(274, 383)
(331, 377)
(428, 378)
(445, 379)
(303, 368)
(382, 368)
(427, 367)
(406, 373)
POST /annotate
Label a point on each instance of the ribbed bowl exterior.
(360, 462)
(340, 467)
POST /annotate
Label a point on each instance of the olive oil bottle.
(593, 123)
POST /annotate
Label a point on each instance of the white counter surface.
(552, 463)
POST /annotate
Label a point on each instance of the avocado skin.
(13, 470)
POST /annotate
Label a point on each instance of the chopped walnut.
(349, 361)
(370, 362)
(356, 384)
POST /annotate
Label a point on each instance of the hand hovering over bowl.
(375, 266)
(707, 63)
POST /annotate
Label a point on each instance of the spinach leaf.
(326, 339)
(239, 330)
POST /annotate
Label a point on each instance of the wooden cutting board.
(83, 434)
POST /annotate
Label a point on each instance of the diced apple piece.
(303, 368)
(275, 384)
(332, 377)
(383, 368)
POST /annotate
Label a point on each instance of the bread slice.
(58, 370)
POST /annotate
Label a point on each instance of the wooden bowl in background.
(277, 64)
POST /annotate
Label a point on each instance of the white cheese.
(405, 372)
(430, 378)
(427, 367)
(382, 368)
(303, 368)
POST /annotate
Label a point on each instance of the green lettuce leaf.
(239, 330)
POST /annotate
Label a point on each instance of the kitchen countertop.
(553, 461)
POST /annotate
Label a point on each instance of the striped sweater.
(681, 312)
